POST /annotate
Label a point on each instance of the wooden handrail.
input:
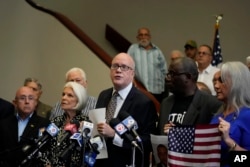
(84, 38)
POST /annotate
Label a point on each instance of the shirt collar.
(27, 118)
(124, 92)
(153, 46)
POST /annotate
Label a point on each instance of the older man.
(42, 109)
(150, 64)
(75, 75)
(204, 58)
(19, 129)
(134, 102)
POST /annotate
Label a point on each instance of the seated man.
(42, 109)
(20, 129)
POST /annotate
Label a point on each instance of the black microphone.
(122, 131)
(69, 129)
(77, 141)
(86, 129)
(50, 132)
(95, 145)
(130, 124)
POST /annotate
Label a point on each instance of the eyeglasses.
(122, 67)
(172, 74)
(145, 35)
(203, 53)
(25, 98)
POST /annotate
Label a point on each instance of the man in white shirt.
(204, 58)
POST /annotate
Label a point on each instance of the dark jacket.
(142, 109)
(11, 150)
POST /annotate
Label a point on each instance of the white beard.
(144, 42)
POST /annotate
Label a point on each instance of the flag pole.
(217, 23)
(217, 57)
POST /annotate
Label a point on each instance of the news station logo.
(120, 129)
(239, 158)
(129, 122)
(52, 129)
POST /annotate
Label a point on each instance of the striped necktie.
(111, 107)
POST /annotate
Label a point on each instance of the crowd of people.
(190, 91)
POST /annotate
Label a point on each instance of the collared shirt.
(207, 76)
(57, 110)
(22, 123)
(150, 67)
(118, 141)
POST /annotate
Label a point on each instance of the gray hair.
(248, 59)
(74, 69)
(80, 93)
(237, 77)
(28, 80)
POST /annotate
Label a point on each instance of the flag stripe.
(203, 150)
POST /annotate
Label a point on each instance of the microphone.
(122, 131)
(95, 145)
(97, 142)
(69, 129)
(51, 131)
(130, 124)
(86, 129)
(77, 140)
(90, 158)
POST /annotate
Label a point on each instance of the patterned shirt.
(57, 110)
(53, 155)
(150, 67)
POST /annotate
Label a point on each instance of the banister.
(84, 38)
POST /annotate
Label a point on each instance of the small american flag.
(196, 146)
(217, 55)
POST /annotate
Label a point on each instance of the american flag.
(196, 146)
(217, 55)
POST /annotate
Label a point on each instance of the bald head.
(122, 70)
(25, 101)
(124, 57)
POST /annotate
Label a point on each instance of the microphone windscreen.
(113, 122)
(123, 115)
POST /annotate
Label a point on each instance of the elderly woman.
(73, 100)
(232, 88)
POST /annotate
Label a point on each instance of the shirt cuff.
(118, 141)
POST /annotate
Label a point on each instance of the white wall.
(171, 22)
(34, 44)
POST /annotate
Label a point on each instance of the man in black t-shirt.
(187, 105)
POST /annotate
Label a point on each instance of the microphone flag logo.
(52, 129)
(120, 129)
(129, 122)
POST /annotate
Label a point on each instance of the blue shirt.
(239, 130)
(22, 123)
(150, 67)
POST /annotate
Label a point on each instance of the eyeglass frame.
(24, 98)
(172, 74)
(122, 67)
